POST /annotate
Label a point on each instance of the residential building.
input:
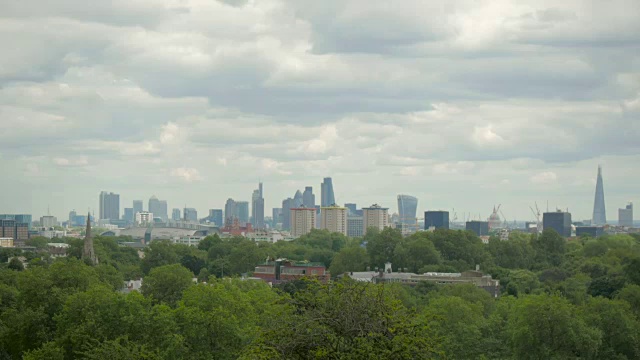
(558, 221)
(6, 242)
(51, 234)
(19, 232)
(599, 211)
(283, 270)
(475, 277)
(19, 218)
(375, 216)
(48, 221)
(436, 219)
(176, 215)
(257, 208)
(158, 208)
(326, 192)
(137, 207)
(109, 206)
(590, 231)
(625, 216)
(302, 221)
(144, 218)
(355, 226)
(334, 219)
(308, 198)
(407, 209)
(480, 228)
(242, 207)
(190, 215)
(230, 211)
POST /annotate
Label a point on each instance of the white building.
(375, 216)
(50, 234)
(48, 221)
(302, 221)
(334, 219)
(6, 242)
(144, 217)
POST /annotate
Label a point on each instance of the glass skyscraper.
(599, 211)
(407, 209)
(109, 206)
(326, 192)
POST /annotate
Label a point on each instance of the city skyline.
(462, 104)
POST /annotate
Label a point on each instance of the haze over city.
(461, 104)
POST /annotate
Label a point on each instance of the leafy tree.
(165, 284)
(631, 294)
(353, 258)
(159, 253)
(381, 246)
(39, 242)
(49, 351)
(619, 328)
(550, 248)
(16, 264)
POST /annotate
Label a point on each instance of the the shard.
(599, 212)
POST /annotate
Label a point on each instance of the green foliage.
(165, 284)
(353, 258)
(15, 264)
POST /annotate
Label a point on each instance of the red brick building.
(283, 270)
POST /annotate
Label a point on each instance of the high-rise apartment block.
(436, 219)
(109, 206)
(355, 226)
(480, 228)
(334, 219)
(375, 216)
(625, 216)
(144, 218)
(326, 192)
(599, 211)
(558, 221)
(302, 221)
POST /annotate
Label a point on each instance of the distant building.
(480, 228)
(355, 226)
(302, 221)
(242, 207)
(191, 215)
(326, 192)
(375, 216)
(19, 218)
(625, 216)
(287, 205)
(436, 219)
(72, 216)
(236, 229)
(129, 215)
(334, 219)
(353, 208)
(175, 215)
(591, 231)
(599, 210)
(558, 221)
(257, 208)
(144, 218)
(230, 212)
(17, 231)
(158, 208)
(137, 207)
(6, 242)
(407, 209)
(475, 277)
(48, 221)
(109, 206)
(283, 270)
(215, 216)
(276, 216)
(308, 198)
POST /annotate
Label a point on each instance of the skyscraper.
(480, 228)
(242, 207)
(558, 221)
(298, 200)
(257, 208)
(308, 198)
(129, 216)
(137, 207)
(230, 212)
(215, 216)
(625, 216)
(175, 215)
(407, 207)
(326, 192)
(276, 216)
(191, 215)
(599, 212)
(287, 205)
(109, 206)
(353, 208)
(436, 219)
(158, 208)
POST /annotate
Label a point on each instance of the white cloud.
(186, 174)
(546, 177)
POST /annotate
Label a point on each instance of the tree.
(165, 284)
(550, 248)
(39, 242)
(157, 254)
(16, 264)
(353, 258)
(619, 328)
(381, 247)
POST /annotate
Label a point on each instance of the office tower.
(48, 221)
(375, 216)
(137, 206)
(230, 212)
(129, 215)
(144, 218)
(326, 193)
(88, 253)
(109, 206)
(257, 208)
(355, 226)
(436, 219)
(18, 231)
(215, 216)
(287, 205)
(480, 228)
(19, 219)
(558, 221)
(599, 212)
(158, 208)
(72, 217)
(302, 221)
(625, 216)
(190, 215)
(334, 219)
(352, 208)
(308, 198)
(242, 207)
(590, 231)
(276, 216)
(407, 209)
(175, 215)
(297, 199)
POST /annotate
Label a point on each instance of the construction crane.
(504, 219)
(536, 214)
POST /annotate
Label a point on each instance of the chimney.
(387, 267)
(477, 267)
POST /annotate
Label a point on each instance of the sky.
(463, 104)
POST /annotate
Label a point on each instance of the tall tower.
(326, 192)
(88, 252)
(599, 212)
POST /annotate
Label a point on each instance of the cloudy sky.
(464, 104)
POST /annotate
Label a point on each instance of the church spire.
(88, 253)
